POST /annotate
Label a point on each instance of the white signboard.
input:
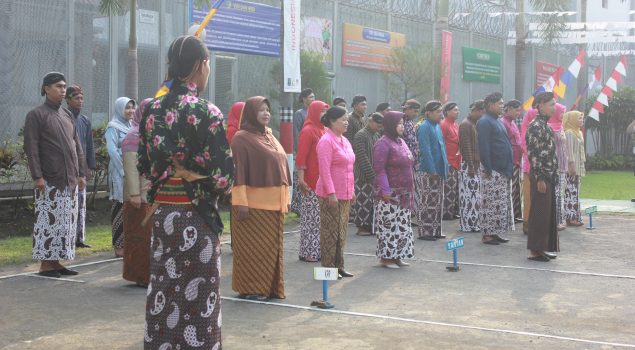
(325, 273)
(291, 48)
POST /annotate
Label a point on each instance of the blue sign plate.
(454, 244)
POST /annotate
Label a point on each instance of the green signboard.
(481, 65)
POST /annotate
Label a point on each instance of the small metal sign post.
(589, 211)
(453, 245)
(324, 274)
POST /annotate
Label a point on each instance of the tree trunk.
(583, 79)
(441, 24)
(132, 80)
(519, 82)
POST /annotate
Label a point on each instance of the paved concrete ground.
(499, 300)
(614, 206)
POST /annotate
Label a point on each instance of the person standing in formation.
(383, 108)
(260, 200)
(541, 150)
(340, 102)
(307, 166)
(335, 188)
(306, 97)
(432, 172)
(364, 174)
(513, 109)
(116, 130)
(411, 110)
(394, 184)
(58, 169)
(555, 123)
(136, 257)
(496, 172)
(530, 115)
(450, 129)
(75, 102)
(469, 176)
(233, 120)
(572, 123)
(356, 119)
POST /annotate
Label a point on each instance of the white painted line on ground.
(56, 278)
(435, 323)
(510, 267)
(77, 265)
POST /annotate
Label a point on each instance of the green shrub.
(612, 162)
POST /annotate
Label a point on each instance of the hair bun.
(325, 121)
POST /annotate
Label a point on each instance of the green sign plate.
(481, 65)
(591, 210)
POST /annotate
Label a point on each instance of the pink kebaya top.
(335, 161)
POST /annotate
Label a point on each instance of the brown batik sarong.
(136, 257)
(333, 225)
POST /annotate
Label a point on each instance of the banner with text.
(544, 71)
(481, 65)
(292, 75)
(243, 27)
(446, 65)
(317, 38)
(369, 48)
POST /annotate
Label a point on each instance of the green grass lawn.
(608, 185)
(17, 250)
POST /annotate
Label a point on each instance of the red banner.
(446, 65)
(544, 71)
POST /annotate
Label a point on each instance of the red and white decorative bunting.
(608, 89)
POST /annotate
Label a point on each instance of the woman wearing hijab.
(136, 258)
(575, 154)
(394, 184)
(116, 130)
(307, 166)
(184, 152)
(233, 120)
(335, 188)
(260, 200)
(555, 122)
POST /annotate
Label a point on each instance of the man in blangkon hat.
(58, 169)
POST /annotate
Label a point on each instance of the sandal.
(254, 297)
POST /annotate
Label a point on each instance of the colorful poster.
(481, 65)
(369, 48)
(446, 65)
(243, 27)
(317, 37)
(544, 71)
(292, 75)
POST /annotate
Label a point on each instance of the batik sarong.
(116, 219)
(333, 225)
(470, 200)
(258, 264)
(451, 194)
(542, 235)
(526, 202)
(572, 199)
(516, 200)
(559, 188)
(310, 227)
(81, 216)
(55, 224)
(364, 205)
(136, 257)
(296, 200)
(183, 297)
(394, 231)
(496, 208)
(429, 201)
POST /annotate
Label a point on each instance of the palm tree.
(119, 8)
(551, 28)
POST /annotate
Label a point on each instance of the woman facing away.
(260, 200)
(184, 153)
(116, 131)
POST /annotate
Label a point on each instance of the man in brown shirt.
(469, 179)
(58, 168)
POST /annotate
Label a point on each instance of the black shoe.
(550, 255)
(345, 273)
(414, 224)
(518, 220)
(66, 272)
(491, 242)
(501, 239)
(440, 236)
(457, 216)
(50, 273)
(82, 245)
(449, 217)
(541, 258)
(427, 238)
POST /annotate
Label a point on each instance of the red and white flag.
(609, 88)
